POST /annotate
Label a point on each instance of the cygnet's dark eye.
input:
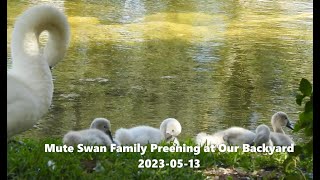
(105, 126)
(172, 130)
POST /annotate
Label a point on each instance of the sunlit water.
(210, 64)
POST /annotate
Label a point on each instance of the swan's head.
(263, 129)
(170, 128)
(102, 124)
(262, 135)
(280, 119)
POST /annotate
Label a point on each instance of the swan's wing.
(123, 136)
(238, 136)
(21, 108)
(206, 139)
(147, 135)
(279, 139)
(261, 138)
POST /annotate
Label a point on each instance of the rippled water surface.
(210, 64)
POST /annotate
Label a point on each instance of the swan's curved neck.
(29, 64)
(29, 26)
(278, 129)
(163, 128)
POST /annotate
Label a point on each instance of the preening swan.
(238, 136)
(262, 136)
(207, 139)
(231, 136)
(29, 81)
(169, 130)
(278, 137)
(98, 134)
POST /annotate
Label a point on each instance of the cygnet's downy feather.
(169, 130)
(231, 136)
(262, 136)
(278, 137)
(98, 134)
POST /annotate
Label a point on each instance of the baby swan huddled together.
(231, 136)
(240, 136)
(262, 136)
(170, 128)
(99, 133)
(278, 137)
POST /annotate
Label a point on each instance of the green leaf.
(299, 98)
(289, 163)
(297, 150)
(308, 107)
(305, 87)
(309, 147)
(308, 131)
(297, 127)
(305, 121)
(306, 117)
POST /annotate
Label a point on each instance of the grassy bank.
(28, 160)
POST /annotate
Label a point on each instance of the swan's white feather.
(169, 129)
(96, 135)
(87, 137)
(262, 136)
(29, 81)
(232, 136)
(140, 134)
(278, 137)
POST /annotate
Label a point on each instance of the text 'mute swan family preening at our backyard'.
(239, 136)
(170, 128)
(29, 81)
(98, 134)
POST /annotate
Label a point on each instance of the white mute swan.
(98, 134)
(231, 136)
(29, 81)
(278, 137)
(169, 130)
(262, 136)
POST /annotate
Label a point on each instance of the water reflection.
(210, 64)
(132, 10)
(56, 3)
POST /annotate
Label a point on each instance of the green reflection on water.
(209, 64)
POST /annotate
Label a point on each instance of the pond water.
(210, 64)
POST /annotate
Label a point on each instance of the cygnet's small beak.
(289, 125)
(168, 136)
(108, 132)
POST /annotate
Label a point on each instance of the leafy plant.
(30, 161)
(304, 123)
(306, 117)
